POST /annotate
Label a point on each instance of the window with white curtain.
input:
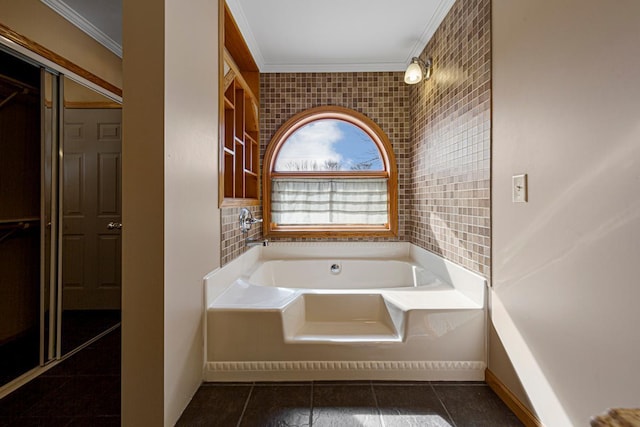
(330, 171)
(323, 201)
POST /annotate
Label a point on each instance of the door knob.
(114, 226)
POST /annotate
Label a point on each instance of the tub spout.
(256, 242)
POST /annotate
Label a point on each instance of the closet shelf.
(19, 220)
(11, 227)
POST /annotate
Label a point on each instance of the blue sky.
(328, 140)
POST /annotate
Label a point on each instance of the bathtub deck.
(244, 296)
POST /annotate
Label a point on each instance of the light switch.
(519, 188)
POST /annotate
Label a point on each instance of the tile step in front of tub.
(345, 332)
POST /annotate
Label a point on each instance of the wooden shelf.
(239, 120)
(239, 146)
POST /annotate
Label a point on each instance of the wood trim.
(236, 44)
(233, 203)
(27, 43)
(91, 105)
(331, 174)
(221, 101)
(228, 78)
(356, 118)
(238, 75)
(517, 407)
(372, 129)
(324, 233)
(253, 81)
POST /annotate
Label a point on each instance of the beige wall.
(192, 218)
(501, 366)
(143, 216)
(172, 230)
(35, 20)
(565, 110)
(77, 94)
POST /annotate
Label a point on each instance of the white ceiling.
(298, 35)
(337, 35)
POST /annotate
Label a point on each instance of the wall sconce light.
(417, 70)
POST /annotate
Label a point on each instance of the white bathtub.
(311, 311)
(342, 274)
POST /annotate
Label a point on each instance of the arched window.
(330, 172)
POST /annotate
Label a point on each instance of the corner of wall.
(500, 365)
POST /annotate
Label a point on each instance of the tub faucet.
(249, 242)
(247, 220)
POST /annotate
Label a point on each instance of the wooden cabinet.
(240, 140)
(239, 122)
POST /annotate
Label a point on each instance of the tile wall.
(233, 245)
(450, 118)
(381, 96)
(440, 131)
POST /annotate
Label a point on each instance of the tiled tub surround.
(381, 96)
(232, 239)
(393, 311)
(450, 120)
(440, 132)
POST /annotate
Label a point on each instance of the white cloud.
(310, 145)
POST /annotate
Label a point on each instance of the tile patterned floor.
(84, 391)
(350, 404)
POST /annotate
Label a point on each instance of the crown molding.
(83, 24)
(429, 30)
(333, 68)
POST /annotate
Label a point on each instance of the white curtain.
(313, 201)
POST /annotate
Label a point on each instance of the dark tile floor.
(79, 326)
(19, 355)
(348, 404)
(84, 390)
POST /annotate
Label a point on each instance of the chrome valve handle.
(246, 220)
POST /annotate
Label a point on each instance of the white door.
(91, 251)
